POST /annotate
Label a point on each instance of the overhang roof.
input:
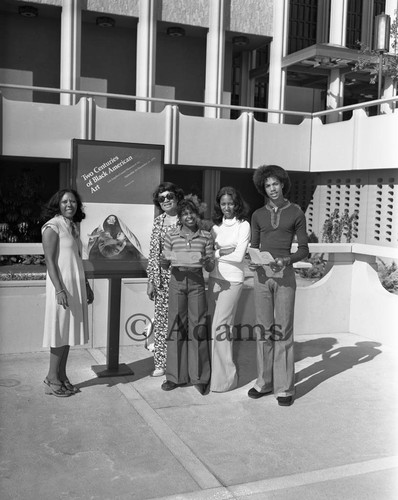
(325, 55)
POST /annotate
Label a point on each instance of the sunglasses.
(163, 198)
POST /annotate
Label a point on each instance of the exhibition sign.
(115, 181)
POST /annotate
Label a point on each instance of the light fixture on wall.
(175, 31)
(28, 11)
(240, 41)
(381, 43)
(105, 22)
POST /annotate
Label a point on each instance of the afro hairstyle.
(265, 172)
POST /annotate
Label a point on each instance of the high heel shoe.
(158, 372)
(70, 387)
(55, 389)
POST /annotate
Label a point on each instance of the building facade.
(225, 86)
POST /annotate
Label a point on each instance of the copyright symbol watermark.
(137, 326)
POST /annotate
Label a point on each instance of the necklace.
(72, 227)
(188, 236)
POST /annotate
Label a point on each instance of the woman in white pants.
(231, 234)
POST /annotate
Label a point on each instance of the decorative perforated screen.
(369, 197)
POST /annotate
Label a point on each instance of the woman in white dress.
(231, 233)
(67, 290)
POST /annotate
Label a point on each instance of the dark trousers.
(188, 357)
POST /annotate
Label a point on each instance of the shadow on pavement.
(245, 355)
(333, 363)
(245, 361)
(141, 368)
(313, 348)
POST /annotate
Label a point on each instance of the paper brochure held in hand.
(184, 259)
(261, 258)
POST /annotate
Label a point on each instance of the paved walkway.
(125, 438)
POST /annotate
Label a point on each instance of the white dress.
(66, 326)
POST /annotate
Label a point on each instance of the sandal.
(55, 389)
(70, 387)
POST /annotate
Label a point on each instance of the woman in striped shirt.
(187, 250)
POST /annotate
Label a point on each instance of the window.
(379, 7)
(24, 188)
(302, 24)
(354, 22)
(260, 99)
(236, 84)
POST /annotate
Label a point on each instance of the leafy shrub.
(336, 226)
(6, 260)
(317, 270)
(318, 263)
(20, 206)
(388, 275)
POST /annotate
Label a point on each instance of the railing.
(177, 102)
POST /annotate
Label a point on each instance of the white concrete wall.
(38, 130)
(136, 311)
(361, 143)
(348, 299)
(374, 311)
(22, 306)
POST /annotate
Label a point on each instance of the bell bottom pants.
(223, 302)
(274, 301)
(188, 358)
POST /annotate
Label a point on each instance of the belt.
(187, 269)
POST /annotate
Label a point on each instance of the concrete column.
(338, 22)
(322, 35)
(337, 36)
(367, 23)
(334, 95)
(211, 185)
(389, 90)
(172, 122)
(389, 87)
(87, 118)
(247, 120)
(247, 84)
(215, 57)
(146, 53)
(277, 76)
(71, 21)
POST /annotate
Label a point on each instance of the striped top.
(200, 242)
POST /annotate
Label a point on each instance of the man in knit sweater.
(274, 227)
